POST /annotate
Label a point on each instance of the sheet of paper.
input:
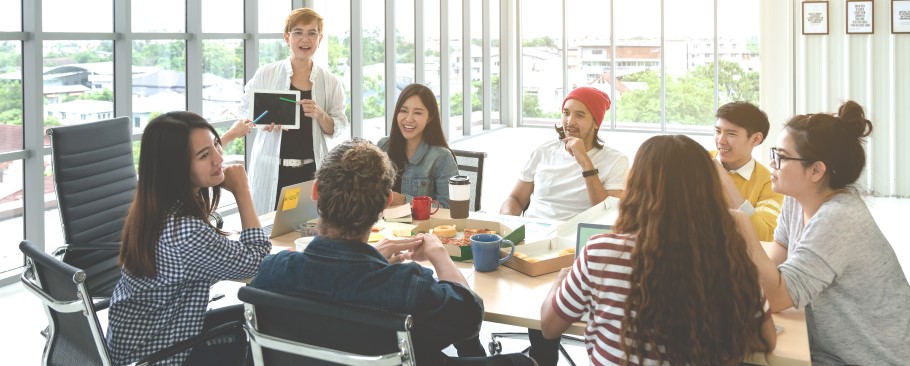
(397, 211)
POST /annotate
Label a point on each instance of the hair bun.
(853, 115)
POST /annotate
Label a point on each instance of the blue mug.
(485, 248)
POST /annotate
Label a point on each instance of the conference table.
(511, 297)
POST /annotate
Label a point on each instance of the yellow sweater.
(767, 203)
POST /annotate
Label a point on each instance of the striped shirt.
(148, 314)
(599, 283)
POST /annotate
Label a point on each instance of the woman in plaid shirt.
(171, 253)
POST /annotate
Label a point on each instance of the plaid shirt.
(148, 314)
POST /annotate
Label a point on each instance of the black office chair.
(95, 180)
(286, 330)
(289, 330)
(75, 336)
(470, 163)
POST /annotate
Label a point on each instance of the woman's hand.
(240, 128)
(234, 179)
(271, 127)
(311, 109)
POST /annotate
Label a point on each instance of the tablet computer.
(280, 107)
(586, 231)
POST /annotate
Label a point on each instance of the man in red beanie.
(565, 177)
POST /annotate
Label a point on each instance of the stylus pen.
(260, 116)
(288, 100)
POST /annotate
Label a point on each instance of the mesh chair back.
(470, 163)
(300, 325)
(95, 180)
(74, 334)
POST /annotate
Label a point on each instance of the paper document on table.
(401, 213)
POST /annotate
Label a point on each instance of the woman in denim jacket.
(418, 148)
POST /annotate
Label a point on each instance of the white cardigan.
(327, 92)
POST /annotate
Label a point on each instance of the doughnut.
(566, 251)
(444, 231)
(520, 255)
(532, 260)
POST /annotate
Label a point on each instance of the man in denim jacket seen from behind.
(352, 188)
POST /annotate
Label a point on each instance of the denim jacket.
(355, 273)
(428, 173)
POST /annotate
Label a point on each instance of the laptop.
(295, 207)
(586, 231)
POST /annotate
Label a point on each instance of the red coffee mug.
(420, 207)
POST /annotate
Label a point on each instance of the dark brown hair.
(432, 133)
(836, 140)
(353, 183)
(693, 289)
(164, 179)
(745, 115)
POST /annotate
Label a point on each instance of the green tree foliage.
(10, 57)
(690, 98)
(10, 103)
(222, 61)
(168, 55)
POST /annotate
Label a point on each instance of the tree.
(690, 99)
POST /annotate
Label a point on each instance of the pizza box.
(463, 252)
(557, 250)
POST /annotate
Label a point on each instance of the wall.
(815, 73)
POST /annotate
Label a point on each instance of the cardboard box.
(462, 253)
(546, 250)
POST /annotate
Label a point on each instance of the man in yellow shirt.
(740, 127)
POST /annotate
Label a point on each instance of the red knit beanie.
(597, 101)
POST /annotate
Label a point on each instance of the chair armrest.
(79, 247)
(189, 343)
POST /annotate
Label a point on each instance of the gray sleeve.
(825, 248)
(782, 232)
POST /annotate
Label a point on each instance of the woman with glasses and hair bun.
(828, 255)
(322, 100)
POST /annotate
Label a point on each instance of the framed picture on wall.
(900, 16)
(815, 17)
(860, 19)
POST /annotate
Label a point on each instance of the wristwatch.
(588, 173)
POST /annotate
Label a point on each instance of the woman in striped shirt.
(675, 284)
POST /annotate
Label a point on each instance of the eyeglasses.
(776, 158)
(299, 34)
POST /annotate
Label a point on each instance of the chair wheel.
(495, 347)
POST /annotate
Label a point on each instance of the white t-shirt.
(559, 189)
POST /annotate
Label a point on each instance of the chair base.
(495, 346)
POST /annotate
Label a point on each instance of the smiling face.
(303, 40)
(734, 144)
(578, 121)
(205, 159)
(412, 119)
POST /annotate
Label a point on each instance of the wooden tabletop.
(511, 297)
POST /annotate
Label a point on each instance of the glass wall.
(662, 75)
(666, 65)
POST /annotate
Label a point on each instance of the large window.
(666, 65)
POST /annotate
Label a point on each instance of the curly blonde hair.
(354, 184)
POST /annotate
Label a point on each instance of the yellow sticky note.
(291, 197)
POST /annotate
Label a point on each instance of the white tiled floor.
(507, 150)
